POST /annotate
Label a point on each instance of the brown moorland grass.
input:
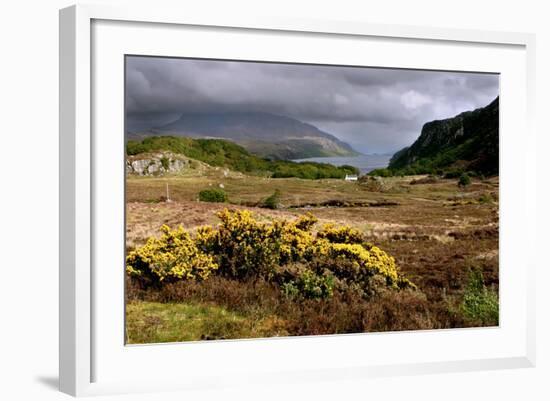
(436, 231)
(264, 310)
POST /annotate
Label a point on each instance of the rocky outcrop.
(160, 163)
(470, 138)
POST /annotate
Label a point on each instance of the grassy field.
(157, 322)
(436, 231)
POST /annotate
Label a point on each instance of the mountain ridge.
(265, 134)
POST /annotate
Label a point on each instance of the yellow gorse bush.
(240, 246)
(296, 240)
(357, 264)
(172, 256)
(345, 252)
(341, 234)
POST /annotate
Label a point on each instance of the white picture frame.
(84, 355)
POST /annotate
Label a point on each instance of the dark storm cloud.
(373, 109)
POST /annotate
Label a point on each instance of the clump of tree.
(309, 170)
(381, 172)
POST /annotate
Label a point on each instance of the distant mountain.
(267, 135)
(468, 141)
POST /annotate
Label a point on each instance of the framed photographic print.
(251, 201)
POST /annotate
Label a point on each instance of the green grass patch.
(155, 322)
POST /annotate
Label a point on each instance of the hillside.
(267, 135)
(468, 141)
(222, 153)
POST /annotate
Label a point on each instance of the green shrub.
(213, 195)
(274, 201)
(290, 290)
(309, 285)
(480, 304)
(464, 180)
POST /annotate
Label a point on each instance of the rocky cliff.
(156, 164)
(469, 140)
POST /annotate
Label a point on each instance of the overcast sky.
(373, 109)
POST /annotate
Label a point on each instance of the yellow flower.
(240, 246)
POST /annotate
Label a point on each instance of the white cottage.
(350, 177)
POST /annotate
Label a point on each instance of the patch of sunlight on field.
(154, 322)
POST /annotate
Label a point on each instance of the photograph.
(273, 199)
